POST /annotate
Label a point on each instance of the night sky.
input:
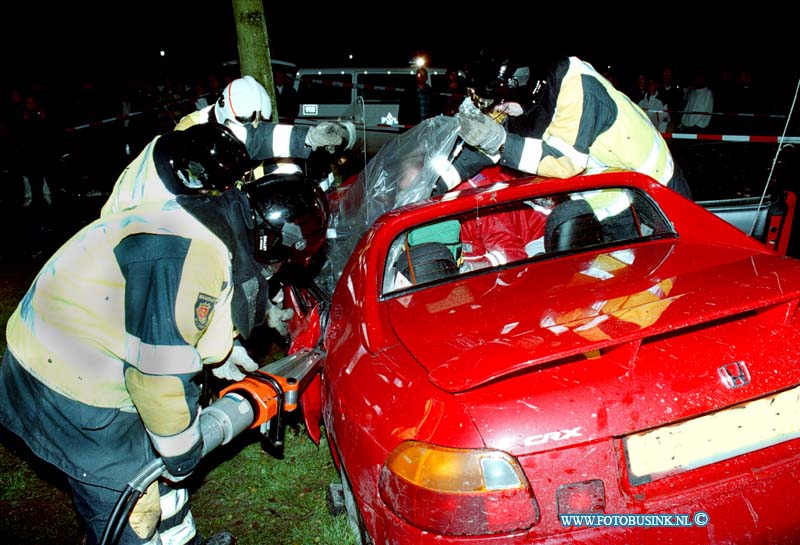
(108, 39)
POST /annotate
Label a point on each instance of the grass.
(261, 496)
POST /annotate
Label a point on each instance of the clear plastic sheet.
(404, 171)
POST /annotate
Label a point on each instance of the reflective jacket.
(140, 182)
(592, 127)
(116, 325)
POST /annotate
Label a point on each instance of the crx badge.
(734, 375)
(543, 438)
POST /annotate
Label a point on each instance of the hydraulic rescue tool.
(260, 401)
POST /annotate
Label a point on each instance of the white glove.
(277, 318)
(238, 357)
(479, 130)
(329, 135)
(511, 109)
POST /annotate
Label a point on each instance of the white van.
(370, 97)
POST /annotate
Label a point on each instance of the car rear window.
(539, 228)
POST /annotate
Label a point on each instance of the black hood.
(228, 216)
(538, 115)
(161, 157)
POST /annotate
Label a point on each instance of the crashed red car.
(627, 371)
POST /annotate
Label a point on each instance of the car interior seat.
(572, 225)
(426, 262)
(621, 226)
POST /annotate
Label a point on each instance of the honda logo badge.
(734, 375)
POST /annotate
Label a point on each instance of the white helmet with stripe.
(243, 101)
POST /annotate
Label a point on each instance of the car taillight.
(457, 491)
(583, 497)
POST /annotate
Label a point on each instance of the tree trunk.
(253, 44)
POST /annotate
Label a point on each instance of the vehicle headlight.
(457, 491)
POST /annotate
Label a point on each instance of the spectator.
(201, 95)
(672, 96)
(419, 102)
(37, 139)
(640, 91)
(13, 108)
(745, 100)
(654, 107)
(725, 101)
(699, 99)
(286, 99)
(454, 93)
(10, 176)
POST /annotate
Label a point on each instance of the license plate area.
(714, 437)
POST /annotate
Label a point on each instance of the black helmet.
(201, 158)
(492, 77)
(290, 213)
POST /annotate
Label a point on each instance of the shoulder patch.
(202, 309)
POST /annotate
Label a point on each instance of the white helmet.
(243, 100)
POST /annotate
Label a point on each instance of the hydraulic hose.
(223, 420)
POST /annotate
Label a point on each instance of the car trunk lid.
(481, 328)
(680, 331)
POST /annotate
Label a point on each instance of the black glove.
(439, 188)
(470, 162)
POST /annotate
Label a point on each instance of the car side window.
(386, 87)
(538, 228)
(325, 89)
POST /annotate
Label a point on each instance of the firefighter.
(574, 122)
(143, 181)
(244, 100)
(104, 350)
(244, 104)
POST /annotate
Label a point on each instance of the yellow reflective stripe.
(175, 445)
(161, 359)
(605, 203)
(89, 375)
(650, 164)
(578, 158)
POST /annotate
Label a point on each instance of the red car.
(623, 370)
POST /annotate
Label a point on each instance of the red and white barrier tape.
(735, 114)
(162, 107)
(733, 138)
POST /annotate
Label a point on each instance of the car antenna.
(775, 159)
